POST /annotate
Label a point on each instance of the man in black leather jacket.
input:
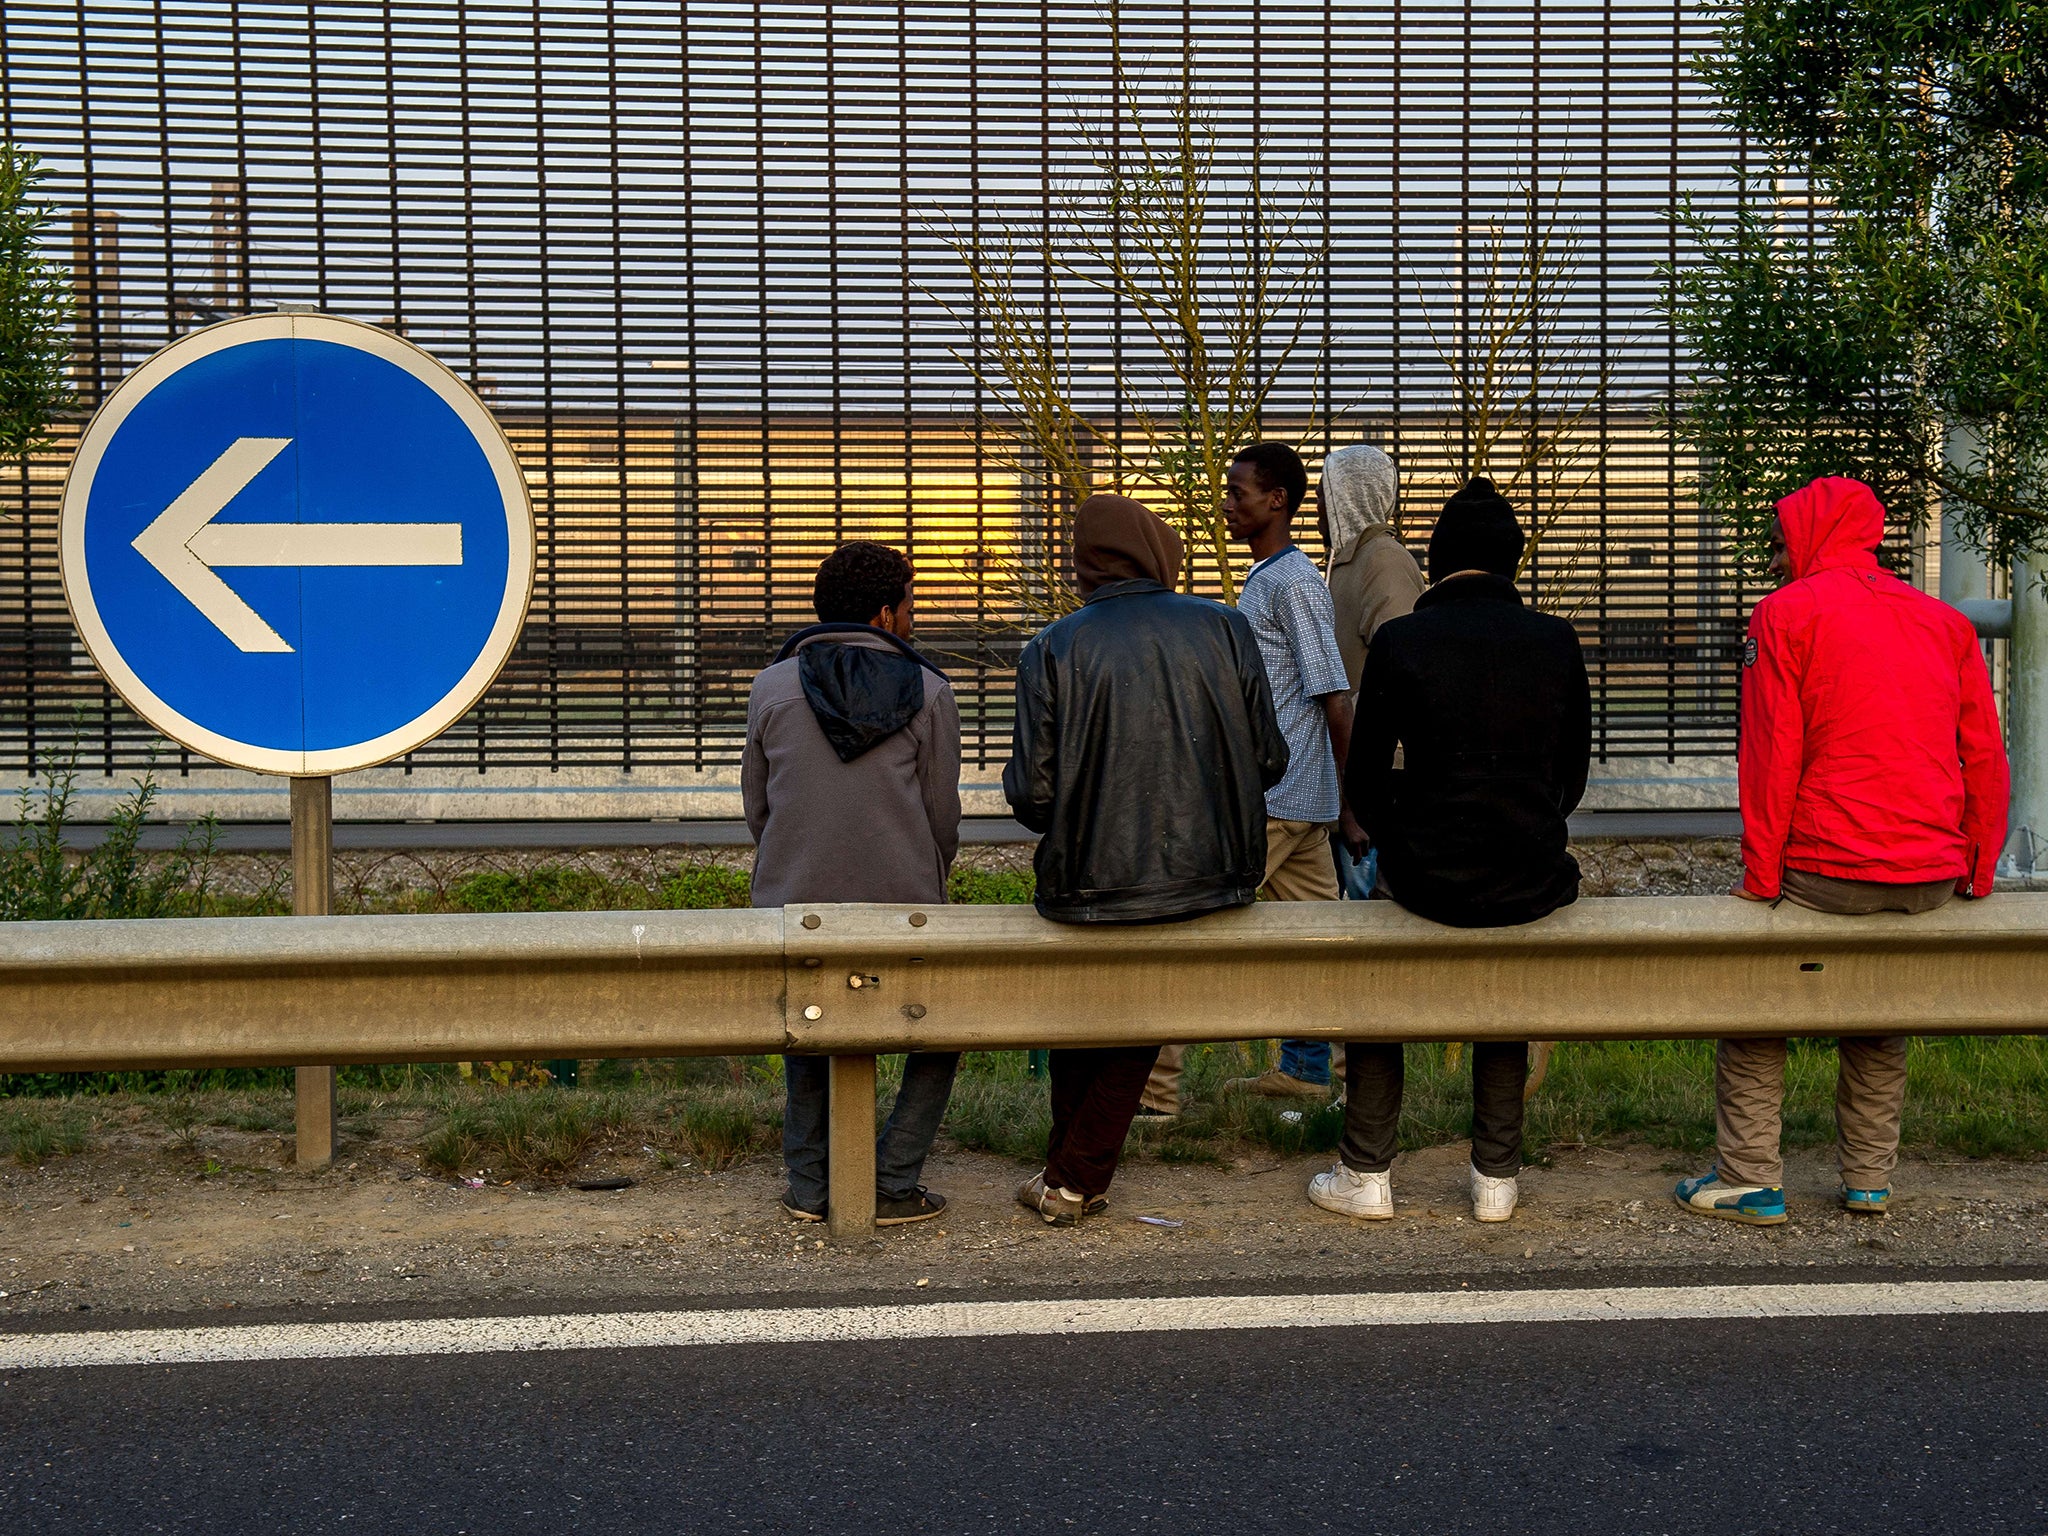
(1145, 742)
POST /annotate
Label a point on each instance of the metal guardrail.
(855, 981)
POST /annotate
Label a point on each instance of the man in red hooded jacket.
(1873, 779)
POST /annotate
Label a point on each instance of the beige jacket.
(1372, 577)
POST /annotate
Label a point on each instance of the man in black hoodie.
(1488, 699)
(1145, 744)
(851, 780)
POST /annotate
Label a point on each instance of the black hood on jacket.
(862, 696)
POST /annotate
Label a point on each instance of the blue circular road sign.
(297, 544)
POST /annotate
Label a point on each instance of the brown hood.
(1118, 539)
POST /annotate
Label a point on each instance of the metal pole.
(2026, 718)
(1964, 575)
(313, 896)
(850, 1147)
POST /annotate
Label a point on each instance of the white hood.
(1357, 492)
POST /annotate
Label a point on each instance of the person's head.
(1357, 492)
(863, 583)
(1476, 531)
(1265, 489)
(1118, 539)
(1831, 521)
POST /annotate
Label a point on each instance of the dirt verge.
(117, 1232)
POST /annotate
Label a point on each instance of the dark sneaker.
(798, 1212)
(1096, 1206)
(1059, 1208)
(919, 1205)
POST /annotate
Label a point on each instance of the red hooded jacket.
(1870, 745)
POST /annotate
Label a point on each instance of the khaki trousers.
(1298, 868)
(1870, 1084)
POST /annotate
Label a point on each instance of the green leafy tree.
(1878, 306)
(35, 313)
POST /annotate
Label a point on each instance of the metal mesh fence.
(693, 255)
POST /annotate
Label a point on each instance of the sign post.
(300, 545)
(313, 896)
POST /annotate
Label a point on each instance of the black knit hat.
(1477, 531)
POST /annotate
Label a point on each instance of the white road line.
(997, 1319)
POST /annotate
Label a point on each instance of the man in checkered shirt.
(1289, 607)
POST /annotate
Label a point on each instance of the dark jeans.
(1374, 1073)
(1095, 1094)
(900, 1149)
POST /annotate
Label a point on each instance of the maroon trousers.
(1095, 1094)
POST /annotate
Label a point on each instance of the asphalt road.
(1804, 1425)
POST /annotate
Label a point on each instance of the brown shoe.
(1058, 1208)
(1277, 1085)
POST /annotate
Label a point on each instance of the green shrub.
(40, 880)
(991, 887)
(547, 888)
(698, 887)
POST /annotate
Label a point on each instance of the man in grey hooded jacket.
(851, 781)
(1372, 579)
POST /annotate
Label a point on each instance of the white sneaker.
(1492, 1199)
(1350, 1193)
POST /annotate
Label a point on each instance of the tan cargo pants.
(1870, 1083)
(1298, 868)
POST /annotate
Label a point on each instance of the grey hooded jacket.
(1372, 577)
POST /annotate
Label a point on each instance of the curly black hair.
(1279, 468)
(857, 581)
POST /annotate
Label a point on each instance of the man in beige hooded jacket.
(1372, 576)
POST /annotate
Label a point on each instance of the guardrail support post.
(850, 1142)
(313, 896)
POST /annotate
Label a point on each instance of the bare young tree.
(1523, 383)
(1215, 269)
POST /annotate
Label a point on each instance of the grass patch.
(1979, 1097)
(718, 1130)
(535, 1133)
(997, 1108)
(35, 1131)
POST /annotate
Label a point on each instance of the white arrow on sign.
(184, 543)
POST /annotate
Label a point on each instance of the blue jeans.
(1356, 877)
(901, 1148)
(1309, 1060)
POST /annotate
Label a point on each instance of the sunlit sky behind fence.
(671, 243)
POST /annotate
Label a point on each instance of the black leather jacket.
(1145, 744)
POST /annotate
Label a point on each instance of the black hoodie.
(860, 695)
